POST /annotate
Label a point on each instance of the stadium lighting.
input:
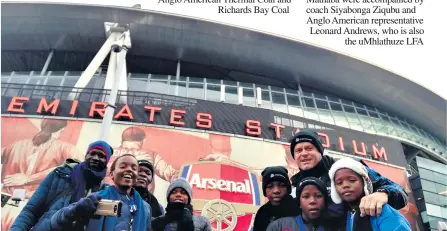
(117, 62)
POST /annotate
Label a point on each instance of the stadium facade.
(208, 101)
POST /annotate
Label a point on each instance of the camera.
(109, 208)
(116, 48)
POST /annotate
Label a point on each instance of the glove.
(86, 206)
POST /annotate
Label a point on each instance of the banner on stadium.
(219, 117)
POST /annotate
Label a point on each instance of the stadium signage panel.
(219, 117)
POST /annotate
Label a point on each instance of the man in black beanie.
(307, 150)
(144, 179)
(277, 188)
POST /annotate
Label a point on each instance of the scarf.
(151, 200)
(178, 213)
(268, 213)
(84, 178)
(140, 218)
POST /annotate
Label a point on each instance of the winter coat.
(389, 220)
(42, 204)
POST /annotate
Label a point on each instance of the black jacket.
(397, 197)
(269, 213)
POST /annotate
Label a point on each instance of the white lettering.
(221, 185)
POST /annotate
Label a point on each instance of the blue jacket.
(389, 220)
(63, 220)
(51, 189)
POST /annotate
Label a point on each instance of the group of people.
(68, 198)
(328, 194)
(324, 195)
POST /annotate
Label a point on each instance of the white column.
(110, 108)
(111, 68)
(258, 96)
(240, 96)
(47, 63)
(177, 75)
(123, 78)
(222, 93)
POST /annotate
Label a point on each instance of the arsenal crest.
(229, 195)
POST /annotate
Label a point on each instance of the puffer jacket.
(201, 223)
(389, 220)
(53, 188)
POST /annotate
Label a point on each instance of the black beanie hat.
(306, 135)
(147, 164)
(312, 181)
(275, 173)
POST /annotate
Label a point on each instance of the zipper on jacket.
(351, 220)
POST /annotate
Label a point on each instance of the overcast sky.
(424, 65)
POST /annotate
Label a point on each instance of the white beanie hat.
(355, 166)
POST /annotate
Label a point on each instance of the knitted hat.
(306, 135)
(103, 146)
(355, 166)
(275, 173)
(180, 183)
(147, 164)
(313, 181)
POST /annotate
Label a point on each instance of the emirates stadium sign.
(219, 117)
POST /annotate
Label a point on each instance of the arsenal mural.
(224, 171)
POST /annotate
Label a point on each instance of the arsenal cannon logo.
(227, 194)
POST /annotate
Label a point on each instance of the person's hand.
(372, 204)
(18, 179)
(87, 205)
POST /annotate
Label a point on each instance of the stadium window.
(213, 92)
(158, 86)
(266, 102)
(137, 82)
(249, 97)
(213, 81)
(336, 106)
(322, 104)
(298, 124)
(231, 94)
(349, 109)
(308, 102)
(196, 91)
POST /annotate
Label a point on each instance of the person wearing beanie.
(312, 199)
(144, 179)
(74, 180)
(350, 182)
(276, 187)
(179, 212)
(308, 152)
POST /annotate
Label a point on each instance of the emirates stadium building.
(207, 101)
